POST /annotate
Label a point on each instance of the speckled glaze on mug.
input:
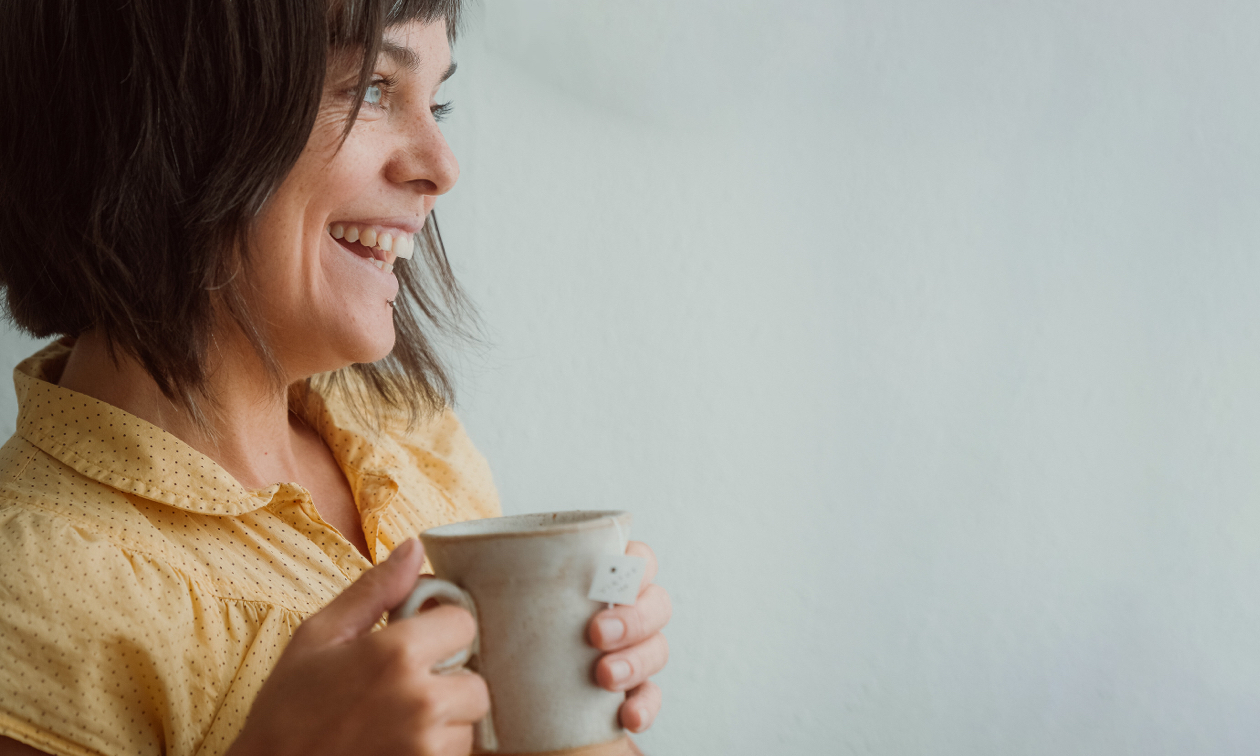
(528, 576)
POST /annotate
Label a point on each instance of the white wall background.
(923, 339)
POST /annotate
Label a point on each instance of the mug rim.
(594, 519)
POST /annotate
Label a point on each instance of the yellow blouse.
(145, 594)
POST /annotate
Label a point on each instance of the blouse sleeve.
(100, 649)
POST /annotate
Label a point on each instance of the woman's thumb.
(360, 606)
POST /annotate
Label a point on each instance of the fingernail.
(643, 719)
(619, 670)
(611, 629)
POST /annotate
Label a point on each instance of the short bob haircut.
(142, 140)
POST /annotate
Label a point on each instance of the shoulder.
(438, 436)
(76, 548)
(64, 539)
(42, 498)
(438, 447)
(51, 565)
(431, 456)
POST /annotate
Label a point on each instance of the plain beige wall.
(921, 338)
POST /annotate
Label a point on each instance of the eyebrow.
(408, 59)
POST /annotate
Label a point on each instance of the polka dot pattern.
(145, 595)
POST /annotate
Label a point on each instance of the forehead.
(421, 48)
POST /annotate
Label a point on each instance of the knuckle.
(392, 647)
(429, 700)
(403, 656)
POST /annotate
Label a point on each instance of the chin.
(342, 351)
(375, 347)
(378, 354)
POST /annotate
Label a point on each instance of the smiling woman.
(225, 210)
(171, 129)
(377, 184)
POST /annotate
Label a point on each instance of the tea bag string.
(621, 535)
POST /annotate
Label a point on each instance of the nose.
(424, 161)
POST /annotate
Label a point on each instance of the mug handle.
(448, 593)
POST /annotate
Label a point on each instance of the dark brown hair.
(143, 138)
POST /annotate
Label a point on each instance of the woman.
(216, 203)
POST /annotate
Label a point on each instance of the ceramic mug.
(525, 579)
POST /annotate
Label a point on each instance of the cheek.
(331, 313)
(324, 309)
(358, 162)
(275, 257)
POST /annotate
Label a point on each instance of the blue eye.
(373, 94)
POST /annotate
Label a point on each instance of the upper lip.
(409, 223)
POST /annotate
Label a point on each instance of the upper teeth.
(401, 243)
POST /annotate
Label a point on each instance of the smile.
(380, 245)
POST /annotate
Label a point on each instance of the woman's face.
(329, 236)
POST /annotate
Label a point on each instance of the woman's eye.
(373, 94)
(440, 111)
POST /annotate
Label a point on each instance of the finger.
(474, 695)
(641, 707)
(625, 669)
(429, 603)
(360, 606)
(444, 741)
(455, 698)
(623, 626)
(420, 642)
(641, 549)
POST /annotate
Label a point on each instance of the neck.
(253, 434)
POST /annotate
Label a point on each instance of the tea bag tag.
(617, 579)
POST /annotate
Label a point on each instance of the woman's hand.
(341, 689)
(636, 649)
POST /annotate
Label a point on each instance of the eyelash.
(386, 85)
(383, 83)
